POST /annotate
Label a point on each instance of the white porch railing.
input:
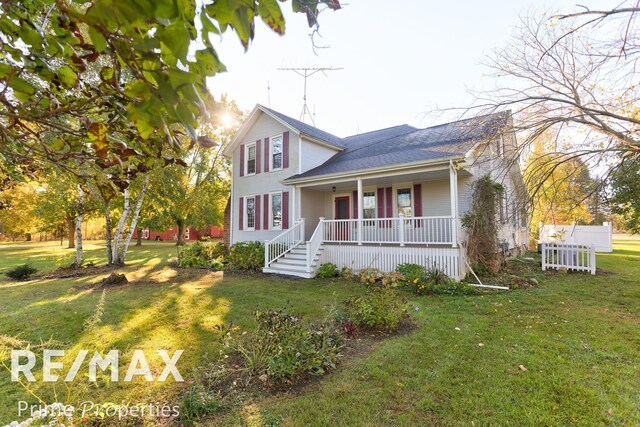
(314, 244)
(283, 243)
(569, 256)
(418, 230)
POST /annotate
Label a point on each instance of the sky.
(401, 62)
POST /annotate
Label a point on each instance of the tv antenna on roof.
(308, 72)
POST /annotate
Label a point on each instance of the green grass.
(577, 335)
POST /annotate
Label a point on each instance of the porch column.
(360, 209)
(453, 190)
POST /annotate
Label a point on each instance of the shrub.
(246, 256)
(381, 308)
(284, 348)
(411, 272)
(369, 276)
(66, 260)
(327, 271)
(391, 280)
(201, 254)
(21, 272)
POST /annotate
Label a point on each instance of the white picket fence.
(569, 256)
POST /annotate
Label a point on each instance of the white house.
(376, 199)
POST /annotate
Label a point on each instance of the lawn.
(577, 336)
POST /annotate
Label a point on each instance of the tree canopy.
(114, 82)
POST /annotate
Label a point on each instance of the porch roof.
(404, 146)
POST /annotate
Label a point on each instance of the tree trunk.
(120, 228)
(28, 237)
(78, 261)
(122, 251)
(139, 242)
(107, 218)
(226, 236)
(71, 233)
(181, 224)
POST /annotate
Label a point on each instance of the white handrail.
(407, 230)
(283, 243)
(314, 243)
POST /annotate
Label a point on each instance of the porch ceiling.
(386, 180)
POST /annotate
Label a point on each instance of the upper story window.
(276, 152)
(251, 159)
(369, 204)
(404, 202)
(250, 215)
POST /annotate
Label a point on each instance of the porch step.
(294, 263)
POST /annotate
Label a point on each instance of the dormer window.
(276, 152)
(251, 159)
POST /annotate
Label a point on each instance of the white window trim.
(271, 226)
(373, 190)
(245, 214)
(246, 159)
(271, 168)
(401, 186)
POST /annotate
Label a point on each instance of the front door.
(342, 212)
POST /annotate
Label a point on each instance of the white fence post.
(401, 229)
(266, 254)
(592, 259)
(544, 256)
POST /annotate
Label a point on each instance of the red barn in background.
(190, 233)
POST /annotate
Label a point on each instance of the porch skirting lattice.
(387, 257)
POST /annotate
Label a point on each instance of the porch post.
(453, 190)
(360, 209)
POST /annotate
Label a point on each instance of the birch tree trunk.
(122, 252)
(78, 261)
(120, 228)
(107, 218)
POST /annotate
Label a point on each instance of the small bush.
(284, 348)
(66, 261)
(411, 272)
(201, 254)
(381, 308)
(369, 276)
(21, 272)
(196, 402)
(391, 280)
(246, 256)
(327, 271)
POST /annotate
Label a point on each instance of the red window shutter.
(266, 212)
(380, 202)
(285, 210)
(267, 156)
(389, 197)
(285, 150)
(417, 196)
(257, 212)
(258, 156)
(355, 205)
(241, 213)
(242, 161)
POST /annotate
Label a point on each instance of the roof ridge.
(379, 130)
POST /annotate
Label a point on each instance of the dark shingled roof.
(308, 129)
(404, 144)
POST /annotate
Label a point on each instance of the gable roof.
(405, 144)
(306, 129)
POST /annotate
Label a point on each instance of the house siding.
(314, 155)
(264, 182)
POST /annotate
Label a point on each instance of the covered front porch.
(375, 220)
